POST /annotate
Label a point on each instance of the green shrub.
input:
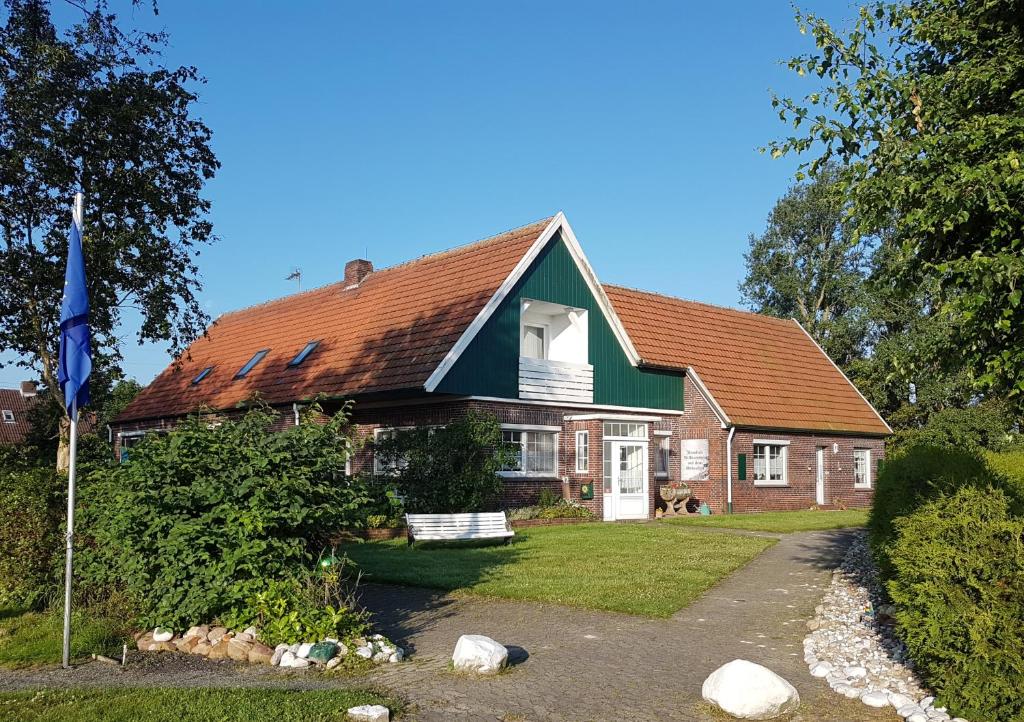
(958, 583)
(986, 425)
(449, 469)
(32, 509)
(548, 497)
(311, 605)
(911, 478)
(522, 513)
(385, 508)
(565, 510)
(202, 520)
(1011, 465)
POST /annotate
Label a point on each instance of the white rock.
(379, 657)
(821, 669)
(908, 709)
(875, 699)
(749, 691)
(298, 663)
(847, 691)
(333, 662)
(286, 659)
(279, 652)
(918, 717)
(480, 654)
(193, 632)
(856, 672)
(161, 634)
(251, 631)
(342, 650)
(377, 636)
(398, 656)
(304, 650)
(294, 648)
(364, 652)
(926, 702)
(369, 713)
(898, 700)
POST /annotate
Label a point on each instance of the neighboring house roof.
(762, 371)
(388, 333)
(14, 401)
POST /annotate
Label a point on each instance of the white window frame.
(867, 468)
(8, 416)
(379, 469)
(583, 452)
(545, 328)
(531, 429)
(768, 481)
(661, 437)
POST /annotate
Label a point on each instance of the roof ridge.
(717, 306)
(401, 264)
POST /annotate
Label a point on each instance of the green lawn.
(781, 522)
(184, 705)
(617, 567)
(29, 638)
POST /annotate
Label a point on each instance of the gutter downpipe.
(728, 470)
(295, 410)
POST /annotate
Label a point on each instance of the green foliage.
(201, 520)
(385, 508)
(810, 265)
(35, 638)
(92, 107)
(1010, 464)
(448, 469)
(548, 497)
(958, 583)
(980, 426)
(32, 503)
(309, 605)
(922, 105)
(565, 510)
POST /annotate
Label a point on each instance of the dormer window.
(243, 372)
(8, 416)
(553, 332)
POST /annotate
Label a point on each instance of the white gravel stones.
(279, 652)
(479, 654)
(303, 650)
(161, 634)
(853, 647)
(369, 713)
(749, 691)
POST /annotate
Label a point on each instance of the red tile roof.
(13, 401)
(388, 333)
(763, 371)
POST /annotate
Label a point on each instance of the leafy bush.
(202, 520)
(310, 605)
(987, 425)
(562, 509)
(385, 508)
(958, 583)
(548, 497)
(449, 469)
(32, 504)
(911, 478)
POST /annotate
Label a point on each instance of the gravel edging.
(853, 645)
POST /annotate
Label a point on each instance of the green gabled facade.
(489, 366)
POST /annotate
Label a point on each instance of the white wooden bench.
(454, 527)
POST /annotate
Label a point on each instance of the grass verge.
(34, 638)
(185, 705)
(780, 522)
(646, 569)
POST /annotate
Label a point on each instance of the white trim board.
(836, 366)
(723, 418)
(558, 223)
(569, 404)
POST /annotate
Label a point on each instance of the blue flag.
(75, 360)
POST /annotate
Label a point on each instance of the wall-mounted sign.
(694, 460)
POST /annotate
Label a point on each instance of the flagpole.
(69, 549)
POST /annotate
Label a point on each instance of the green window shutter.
(742, 467)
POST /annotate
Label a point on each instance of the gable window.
(661, 456)
(582, 452)
(770, 462)
(535, 452)
(304, 353)
(8, 416)
(202, 375)
(862, 468)
(242, 372)
(534, 341)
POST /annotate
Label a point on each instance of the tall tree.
(810, 265)
(93, 109)
(922, 102)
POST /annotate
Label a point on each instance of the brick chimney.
(356, 271)
(28, 389)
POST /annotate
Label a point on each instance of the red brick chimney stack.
(356, 271)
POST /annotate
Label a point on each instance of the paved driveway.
(586, 665)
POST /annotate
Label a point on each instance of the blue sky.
(395, 129)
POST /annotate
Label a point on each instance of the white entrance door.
(629, 480)
(819, 488)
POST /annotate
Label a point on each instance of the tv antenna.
(295, 275)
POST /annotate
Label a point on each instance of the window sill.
(661, 477)
(526, 476)
(770, 484)
(863, 488)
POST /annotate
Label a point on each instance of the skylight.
(8, 416)
(304, 353)
(202, 375)
(250, 363)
